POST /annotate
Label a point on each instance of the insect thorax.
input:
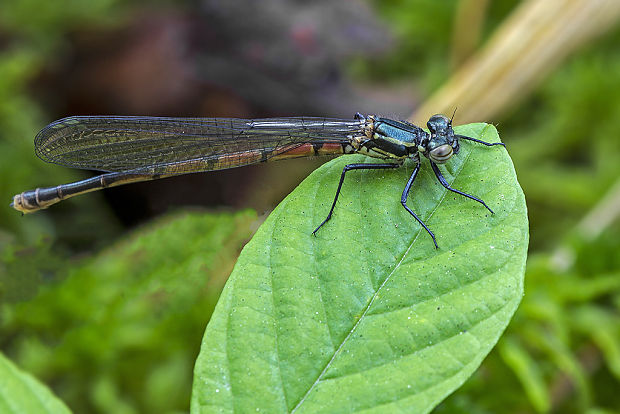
(388, 139)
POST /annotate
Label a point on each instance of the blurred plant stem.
(468, 24)
(603, 215)
(527, 46)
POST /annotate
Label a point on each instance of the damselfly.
(132, 149)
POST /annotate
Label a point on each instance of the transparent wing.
(181, 145)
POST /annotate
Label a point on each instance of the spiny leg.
(443, 182)
(403, 201)
(344, 171)
(488, 144)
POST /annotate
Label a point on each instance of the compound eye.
(441, 154)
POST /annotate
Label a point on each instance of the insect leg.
(403, 201)
(344, 171)
(443, 182)
(488, 144)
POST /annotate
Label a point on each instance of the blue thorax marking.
(399, 131)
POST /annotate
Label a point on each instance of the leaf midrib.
(379, 289)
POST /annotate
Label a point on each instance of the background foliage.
(71, 306)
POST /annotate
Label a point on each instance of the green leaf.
(368, 315)
(120, 332)
(20, 392)
(528, 372)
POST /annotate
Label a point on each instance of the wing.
(181, 145)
